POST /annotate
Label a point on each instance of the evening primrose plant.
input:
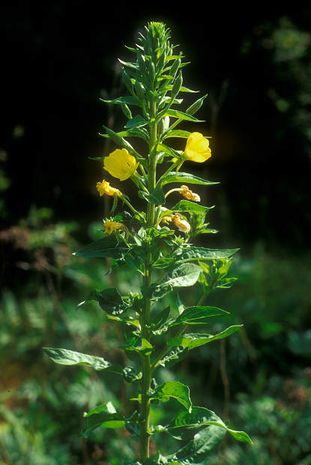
(160, 323)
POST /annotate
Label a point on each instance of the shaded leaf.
(104, 416)
(203, 253)
(174, 390)
(106, 247)
(198, 315)
(193, 340)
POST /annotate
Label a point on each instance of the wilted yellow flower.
(166, 219)
(188, 194)
(120, 164)
(104, 188)
(111, 226)
(181, 223)
(197, 148)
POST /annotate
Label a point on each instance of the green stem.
(145, 316)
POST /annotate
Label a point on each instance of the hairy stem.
(145, 317)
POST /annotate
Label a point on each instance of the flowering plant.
(156, 243)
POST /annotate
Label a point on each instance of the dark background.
(60, 56)
(57, 58)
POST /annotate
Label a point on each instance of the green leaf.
(187, 206)
(141, 345)
(200, 417)
(200, 446)
(108, 246)
(109, 300)
(128, 100)
(203, 253)
(183, 276)
(182, 116)
(195, 107)
(104, 416)
(155, 197)
(198, 315)
(172, 357)
(178, 133)
(136, 122)
(120, 141)
(193, 340)
(186, 178)
(175, 390)
(71, 357)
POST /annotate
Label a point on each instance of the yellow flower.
(120, 164)
(181, 223)
(104, 188)
(112, 226)
(188, 194)
(167, 219)
(197, 148)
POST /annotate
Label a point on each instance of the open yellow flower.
(120, 164)
(104, 188)
(111, 226)
(197, 148)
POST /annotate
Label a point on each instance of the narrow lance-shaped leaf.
(203, 253)
(185, 178)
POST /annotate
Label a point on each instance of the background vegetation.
(59, 57)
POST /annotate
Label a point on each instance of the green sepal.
(185, 178)
(174, 390)
(108, 246)
(198, 315)
(192, 340)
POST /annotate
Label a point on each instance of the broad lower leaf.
(71, 357)
(200, 417)
(174, 390)
(200, 446)
(188, 178)
(193, 340)
(198, 315)
(105, 247)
